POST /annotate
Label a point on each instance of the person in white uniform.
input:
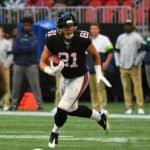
(104, 47)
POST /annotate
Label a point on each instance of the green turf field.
(30, 132)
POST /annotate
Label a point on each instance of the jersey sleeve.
(49, 39)
(86, 40)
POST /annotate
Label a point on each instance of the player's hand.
(52, 70)
(100, 76)
(57, 68)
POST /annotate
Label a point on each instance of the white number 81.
(66, 57)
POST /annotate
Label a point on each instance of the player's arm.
(95, 55)
(44, 57)
(96, 59)
(49, 69)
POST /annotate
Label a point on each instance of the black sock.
(60, 117)
(82, 111)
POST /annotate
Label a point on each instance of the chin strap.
(68, 37)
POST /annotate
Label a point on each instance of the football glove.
(53, 70)
(100, 76)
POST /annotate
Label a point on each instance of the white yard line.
(70, 138)
(28, 137)
(47, 114)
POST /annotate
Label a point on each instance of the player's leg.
(68, 105)
(70, 90)
(60, 116)
(69, 102)
(84, 111)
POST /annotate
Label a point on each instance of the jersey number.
(70, 60)
(84, 34)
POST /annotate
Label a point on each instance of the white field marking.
(71, 138)
(142, 145)
(103, 140)
(124, 116)
(29, 137)
(47, 114)
(26, 113)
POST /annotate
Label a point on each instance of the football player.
(70, 45)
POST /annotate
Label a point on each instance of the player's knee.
(60, 117)
(68, 107)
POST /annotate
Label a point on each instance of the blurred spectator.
(129, 59)
(32, 3)
(120, 2)
(25, 64)
(48, 3)
(104, 47)
(59, 3)
(73, 2)
(6, 59)
(147, 66)
(15, 4)
(85, 2)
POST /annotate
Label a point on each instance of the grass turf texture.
(30, 132)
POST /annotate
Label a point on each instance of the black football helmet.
(65, 19)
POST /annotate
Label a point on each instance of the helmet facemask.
(66, 23)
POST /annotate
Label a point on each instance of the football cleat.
(104, 123)
(53, 140)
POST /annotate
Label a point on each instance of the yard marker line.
(29, 137)
(71, 138)
(47, 114)
(68, 138)
(26, 113)
(142, 145)
(121, 116)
